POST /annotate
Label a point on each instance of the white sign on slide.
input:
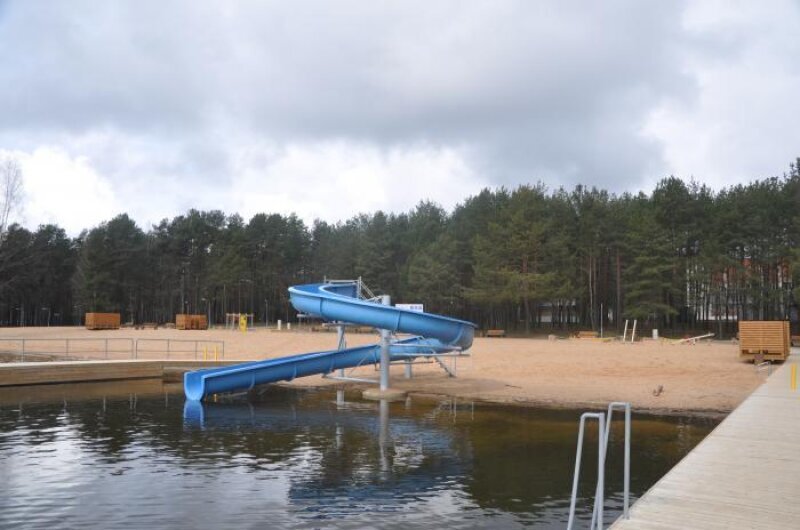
(418, 308)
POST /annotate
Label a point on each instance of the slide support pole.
(341, 343)
(385, 360)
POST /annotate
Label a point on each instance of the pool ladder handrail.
(603, 435)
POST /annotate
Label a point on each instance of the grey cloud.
(553, 90)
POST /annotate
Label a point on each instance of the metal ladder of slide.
(603, 433)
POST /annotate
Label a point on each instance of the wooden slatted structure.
(102, 320)
(763, 339)
(183, 321)
(495, 333)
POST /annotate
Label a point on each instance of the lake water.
(127, 455)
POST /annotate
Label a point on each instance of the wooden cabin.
(767, 340)
(102, 320)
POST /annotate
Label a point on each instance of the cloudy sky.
(328, 109)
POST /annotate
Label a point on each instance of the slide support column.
(341, 343)
(385, 338)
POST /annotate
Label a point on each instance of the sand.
(653, 376)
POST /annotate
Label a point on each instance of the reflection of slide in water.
(337, 302)
(357, 456)
(263, 416)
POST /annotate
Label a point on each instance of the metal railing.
(765, 366)
(41, 348)
(601, 419)
(603, 435)
(362, 290)
(193, 347)
(44, 349)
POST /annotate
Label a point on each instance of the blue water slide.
(337, 302)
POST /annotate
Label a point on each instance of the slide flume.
(337, 302)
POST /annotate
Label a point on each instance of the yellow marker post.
(794, 377)
(215, 354)
(243, 323)
(205, 352)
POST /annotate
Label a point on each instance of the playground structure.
(764, 340)
(693, 340)
(633, 332)
(96, 321)
(233, 321)
(345, 303)
(191, 321)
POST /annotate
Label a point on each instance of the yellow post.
(216, 358)
(205, 352)
(794, 377)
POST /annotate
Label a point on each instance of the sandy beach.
(654, 376)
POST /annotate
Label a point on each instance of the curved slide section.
(336, 302)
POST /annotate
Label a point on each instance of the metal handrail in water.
(601, 420)
(626, 407)
(603, 436)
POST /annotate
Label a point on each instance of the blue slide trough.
(337, 302)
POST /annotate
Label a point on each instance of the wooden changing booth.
(102, 320)
(768, 340)
(191, 321)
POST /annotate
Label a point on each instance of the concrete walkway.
(745, 474)
(14, 374)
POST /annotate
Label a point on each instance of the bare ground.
(563, 373)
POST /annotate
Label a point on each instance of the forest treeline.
(681, 258)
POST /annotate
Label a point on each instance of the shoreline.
(654, 376)
(588, 406)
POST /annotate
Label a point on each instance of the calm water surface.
(114, 455)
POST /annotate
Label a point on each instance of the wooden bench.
(587, 335)
(495, 333)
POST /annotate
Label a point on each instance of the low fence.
(188, 348)
(54, 349)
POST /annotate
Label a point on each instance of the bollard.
(215, 354)
(205, 352)
(794, 377)
(280, 324)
